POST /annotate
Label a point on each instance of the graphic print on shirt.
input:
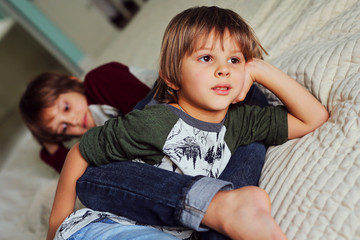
(195, 151)
(85, 216)
(77, 220)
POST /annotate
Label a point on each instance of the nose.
(222, 71)
(73, 120)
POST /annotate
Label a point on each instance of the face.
(69, 115)
(211, 78)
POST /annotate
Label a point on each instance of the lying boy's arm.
(306, 113)
(65, 197)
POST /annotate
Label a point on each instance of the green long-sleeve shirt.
(168, 137)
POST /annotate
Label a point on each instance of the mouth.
(222, 90)
(85, 121)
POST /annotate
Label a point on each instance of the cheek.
(194, 89)
(81, 105)
(241, 83)
(240, 77)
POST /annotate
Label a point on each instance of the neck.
(211, 116)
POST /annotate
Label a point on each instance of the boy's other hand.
(51, 147)
(249, 79)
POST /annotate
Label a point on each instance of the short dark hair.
(41, 93)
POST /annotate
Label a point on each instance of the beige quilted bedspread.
(314, 182)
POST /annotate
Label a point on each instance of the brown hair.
(41, 93)
(182, 34)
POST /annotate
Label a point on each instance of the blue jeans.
(106, 229)
(158, 197)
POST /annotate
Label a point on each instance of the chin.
(221, 107)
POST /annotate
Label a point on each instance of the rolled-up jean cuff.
(198, 199)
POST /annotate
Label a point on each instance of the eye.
(206, 58)
(63, 128)
(234, 60)
(66, 107)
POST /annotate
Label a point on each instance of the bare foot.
(244, 214)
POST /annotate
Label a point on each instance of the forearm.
(306, 113)
(65, 196)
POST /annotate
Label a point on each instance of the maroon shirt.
(111, 84)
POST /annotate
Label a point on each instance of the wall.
(81, 21)
(21, 59)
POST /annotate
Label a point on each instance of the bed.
(313, 182)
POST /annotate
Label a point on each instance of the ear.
(169, 83)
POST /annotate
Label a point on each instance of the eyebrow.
(198, 47)
(209, 49)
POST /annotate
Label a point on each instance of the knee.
(255, 192)
(256, 197)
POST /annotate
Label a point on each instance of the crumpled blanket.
(314, 181)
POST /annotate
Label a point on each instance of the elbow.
(322, 117)
(319, 119)
(326, 116)
(298, 128)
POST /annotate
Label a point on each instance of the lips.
(85, 121)
(223, 89)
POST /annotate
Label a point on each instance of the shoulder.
(111, 69)
(149, 126)
(108, 67)
(114, 85)
(158, 114)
